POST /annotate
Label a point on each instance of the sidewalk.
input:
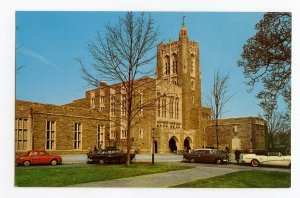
(163, 180)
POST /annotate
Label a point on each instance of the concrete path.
(163, 180)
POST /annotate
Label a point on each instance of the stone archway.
(173, 144)
(187, 144)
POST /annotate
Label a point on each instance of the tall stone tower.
(178, 62)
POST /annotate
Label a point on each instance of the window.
(113, 106)
(158, 104)
(192, 84)
(141, 104)
(167, 65)
(164, 106)
(177, 108)
(100, 135)
(77, 136)
(192, 65)
(21, 134)
(50, 135)
(92, 99)
(141, 133)
(123, 111)
(112, 134)
(102, 106)
(92, 102)
(171, 107)
(174, 64)
(193, 99)
(123, 134)
(102, 99)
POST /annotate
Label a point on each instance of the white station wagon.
(269, 159)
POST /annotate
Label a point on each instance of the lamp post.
(152, 136)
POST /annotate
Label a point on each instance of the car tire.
(54, 162)
(101, 161)
(192, 160)
(255, 162)
(218, 161)
(26, 163)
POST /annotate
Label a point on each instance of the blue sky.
(50, 42)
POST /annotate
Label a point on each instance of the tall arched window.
(167, 65)
(174, 63)
(177, 108)
(171, 107)
(192, 65)
(158, 104)
(164, 106)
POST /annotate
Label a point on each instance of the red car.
(38, 156)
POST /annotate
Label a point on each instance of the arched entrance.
(187, 144)
(172, 145)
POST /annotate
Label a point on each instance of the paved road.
(81, 158)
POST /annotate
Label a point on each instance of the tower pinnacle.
(183, 17)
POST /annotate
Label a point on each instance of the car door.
(270, 159)
(44, 158)
(34, 157)
(196, 156)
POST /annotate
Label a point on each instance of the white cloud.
(38, 57)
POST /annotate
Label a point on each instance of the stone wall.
(64, 118)
(250, 131)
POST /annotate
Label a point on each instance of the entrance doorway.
(187, 145)
(172, 145)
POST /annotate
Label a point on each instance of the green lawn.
(244, 179)
(59, 176)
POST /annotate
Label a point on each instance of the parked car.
(108, 155)
(267, 158)
(38, 156)
(206, 155)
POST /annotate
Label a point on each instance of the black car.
(109, 155)
(206, 156)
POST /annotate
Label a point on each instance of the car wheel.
(218, 161)
(101, 161)
(26, 163)
(192, 160)
(54, 162)
(255, 163)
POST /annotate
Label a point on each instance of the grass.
(49, 176)
(244, 179)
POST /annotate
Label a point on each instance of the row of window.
(22, 133)
(171, 65)
(168, 125)
(162, 107)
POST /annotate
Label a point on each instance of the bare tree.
(279, 129)
(119, 57)
(217, 99)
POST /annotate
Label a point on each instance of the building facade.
(169, 114)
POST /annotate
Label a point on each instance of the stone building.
(237, 133)
(168, 109)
